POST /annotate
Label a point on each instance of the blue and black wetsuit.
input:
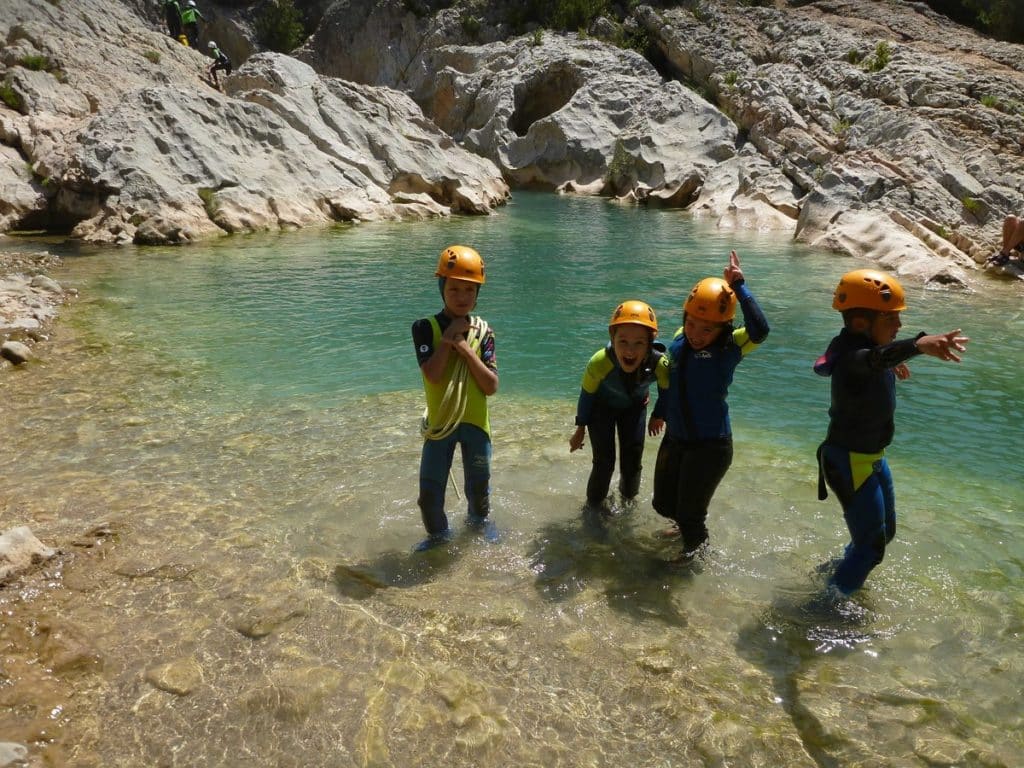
(611, 401)
(852, 460)
(697, 449)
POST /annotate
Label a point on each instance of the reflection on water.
(232, 484)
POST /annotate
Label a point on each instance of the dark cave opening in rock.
(543, 95)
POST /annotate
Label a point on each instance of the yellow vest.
(476, 404)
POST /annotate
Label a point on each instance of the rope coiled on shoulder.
(456, 394)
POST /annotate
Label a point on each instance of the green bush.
(10, 97)
(566, 15)
(37, 63)
(972, 205)
(881, 58)
(279, 27)
(153, 56)
(470, 26)
(1000, 18)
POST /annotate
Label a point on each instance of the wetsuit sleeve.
(755, 325)
(886, 356)
(661, 374)
(423, 340)
(599, 366)
(487, 351)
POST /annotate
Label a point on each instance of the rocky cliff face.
(871, 127)
(112, 131)
(874, 128)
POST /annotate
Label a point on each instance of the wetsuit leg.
(631, 425)
(435, 464)
(701, 468)
(602, 444)
(870, 514)
(666, 478)
(476, 463)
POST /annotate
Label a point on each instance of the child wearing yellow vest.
(455, 352)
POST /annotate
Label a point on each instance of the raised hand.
(733, 271)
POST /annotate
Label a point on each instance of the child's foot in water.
(434, 540)
(483, 525)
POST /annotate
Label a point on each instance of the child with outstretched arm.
(864, 361)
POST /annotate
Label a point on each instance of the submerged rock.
(179, 677)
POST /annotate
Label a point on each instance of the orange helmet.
(712, 300)
(869, 289)
(462, 263)
(634, 312)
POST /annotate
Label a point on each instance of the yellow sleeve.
(741, 339)
(600, 365)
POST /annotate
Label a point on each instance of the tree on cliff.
(999, 18)
(279, 27)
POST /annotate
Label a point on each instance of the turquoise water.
(243, 415)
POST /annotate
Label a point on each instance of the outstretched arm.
(944, 346)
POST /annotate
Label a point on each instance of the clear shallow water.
(242, 419)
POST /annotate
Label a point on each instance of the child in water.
(457, 360)
(864, 361)
(613, 399)
(696, 451)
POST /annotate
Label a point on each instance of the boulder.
(20, 550)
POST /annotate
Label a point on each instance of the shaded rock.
(65, 649)
(16, 352)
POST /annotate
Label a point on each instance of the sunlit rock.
(19, 548)
(179, 677)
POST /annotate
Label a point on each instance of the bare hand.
(733, 272)
(576, 441)
(902, 371)
(455, 335)
(654, 426)
(944, 345)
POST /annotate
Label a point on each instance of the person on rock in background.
(190, 18)
(1013, 240)
(220, 63)
(864, 361)
(613, 399)
(456, 356)
(172, 16)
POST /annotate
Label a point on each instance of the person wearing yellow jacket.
(190, 18)
(456, 355)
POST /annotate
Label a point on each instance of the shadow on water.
(602, 550)
(405, 569)
(803, 624)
